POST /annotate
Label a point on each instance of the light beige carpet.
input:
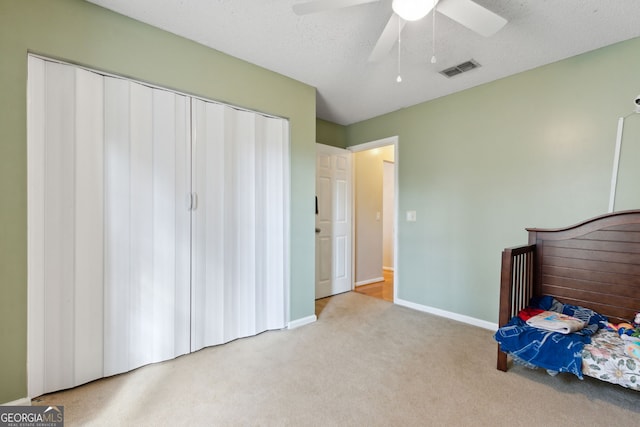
(365, 362)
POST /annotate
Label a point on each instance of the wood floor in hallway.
(382, 290)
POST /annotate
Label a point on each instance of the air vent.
(460, 68)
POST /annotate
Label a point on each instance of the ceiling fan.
(465, 12)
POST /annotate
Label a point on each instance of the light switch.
(411, 216)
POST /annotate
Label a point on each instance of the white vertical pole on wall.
(616, 165)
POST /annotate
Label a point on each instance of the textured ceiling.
(329, 50)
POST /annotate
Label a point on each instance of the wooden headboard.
(594, 264)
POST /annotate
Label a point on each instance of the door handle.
(318, 230)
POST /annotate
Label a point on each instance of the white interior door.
(333, 221)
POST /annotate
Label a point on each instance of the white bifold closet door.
(109, 230)
(157, 225)
(239, 223)
(147, 225)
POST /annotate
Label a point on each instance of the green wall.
(83, 33)
(532, 150)
(535, 149)
(329, 133)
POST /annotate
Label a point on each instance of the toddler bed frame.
(594, 264)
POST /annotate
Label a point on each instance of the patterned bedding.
(605, 359)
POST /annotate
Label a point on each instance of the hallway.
(382, 290)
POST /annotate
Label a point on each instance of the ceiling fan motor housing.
(412, 10)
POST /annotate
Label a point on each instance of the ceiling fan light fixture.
(412, 10)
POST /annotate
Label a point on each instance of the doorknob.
(318, 230)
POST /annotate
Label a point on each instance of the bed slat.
(516, 286)
(589, 282)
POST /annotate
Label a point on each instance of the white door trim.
(392, 140)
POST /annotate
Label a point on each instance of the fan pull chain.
(433, 29)
(399, 78)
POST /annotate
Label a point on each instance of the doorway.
(366, 255)
(375, 218)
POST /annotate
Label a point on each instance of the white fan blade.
(324, 5)
(387, 39)
(472, 15)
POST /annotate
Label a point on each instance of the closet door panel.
(272, 147)
(171, 177)
(238, 225)
(89, 220)
(241, 225)
(35, 230)
(59, 227)
(117, 300)
(164, 226)
(65, 223)
(141, 278)
(208, 255)
(147, 295)
(182, 161)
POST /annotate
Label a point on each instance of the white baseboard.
(449, 315)
(367, 282)
(25, 401)
(301, 322)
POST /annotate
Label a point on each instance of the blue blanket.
(549, 350)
